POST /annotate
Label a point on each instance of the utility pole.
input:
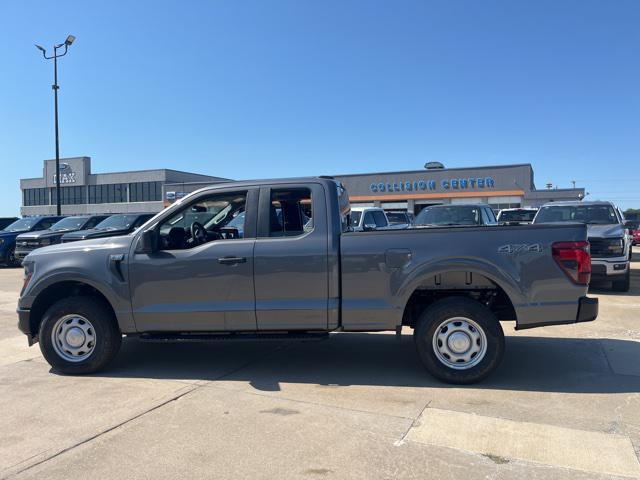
(55, 88)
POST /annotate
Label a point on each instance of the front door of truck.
(200, 278)
(291, 258)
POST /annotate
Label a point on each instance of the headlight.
(45, 241)
(28, 273)
(616, 246)
(1, 241)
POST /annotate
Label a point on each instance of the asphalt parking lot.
(565, 403)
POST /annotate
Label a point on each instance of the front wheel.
(79, 335)
(459, 340)
(12, 260)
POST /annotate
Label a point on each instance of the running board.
(231, 337)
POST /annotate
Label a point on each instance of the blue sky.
(255, 89)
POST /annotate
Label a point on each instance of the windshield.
(516, 215)
(117, 222)
(22, 225)
(69, 223)
(590, 214)
(453, 215)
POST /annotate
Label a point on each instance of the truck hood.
(110, 243)
(605, 231)
(38, 234)
(94, 233)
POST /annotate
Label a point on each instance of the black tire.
(107, 334)
(428, 326)
(623, 285)
(12, 261)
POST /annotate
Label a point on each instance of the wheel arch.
(55, 291)
(493, 289)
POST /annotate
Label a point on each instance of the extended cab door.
(291, 258)
(206, 285)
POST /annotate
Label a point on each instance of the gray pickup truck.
(277, 260)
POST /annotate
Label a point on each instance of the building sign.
(67, 175)
(478, 183)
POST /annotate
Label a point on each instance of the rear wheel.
(459, 340)
(79, 335)
(625, 284)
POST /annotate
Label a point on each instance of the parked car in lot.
(399, 217)
(607, 233)
(517, 215)
(368, 218)
(113, 226)
(9, 234)
(27, 242)
(474, 214)
(302, 275)
(634, 231)
(6, 221)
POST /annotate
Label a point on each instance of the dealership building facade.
(149, 191)
(84, 192)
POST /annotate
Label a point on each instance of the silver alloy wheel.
(459, 343)
(73, 338)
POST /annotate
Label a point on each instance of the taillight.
(574, 259)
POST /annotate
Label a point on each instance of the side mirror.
(629, 224)
(147, 242)
(368, 227)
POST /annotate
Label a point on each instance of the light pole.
(55, 88)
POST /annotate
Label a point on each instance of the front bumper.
(611, 267)
(22, 252)
(24, 325)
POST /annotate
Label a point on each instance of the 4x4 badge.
(520, 248)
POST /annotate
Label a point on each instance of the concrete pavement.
(565, 403)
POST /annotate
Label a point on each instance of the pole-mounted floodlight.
(70, 39)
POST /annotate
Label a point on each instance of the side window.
(290, 212)
(379, 218)
(488, 216)
(214, 217)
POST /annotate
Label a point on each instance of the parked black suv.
(115, 225)
(27, 242)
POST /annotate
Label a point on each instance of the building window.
(69, 195)
(108, 193)
(35, 196)
(145, 192)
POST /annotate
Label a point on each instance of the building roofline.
(437, 170)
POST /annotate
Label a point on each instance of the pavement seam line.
(402, 440)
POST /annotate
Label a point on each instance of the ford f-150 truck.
(297, 271)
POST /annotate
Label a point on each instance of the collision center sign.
(477, 183)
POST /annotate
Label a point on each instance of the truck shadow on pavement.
(539, 364)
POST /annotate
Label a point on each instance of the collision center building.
(501, 186)
(149, 191)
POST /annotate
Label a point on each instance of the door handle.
(231, 260)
